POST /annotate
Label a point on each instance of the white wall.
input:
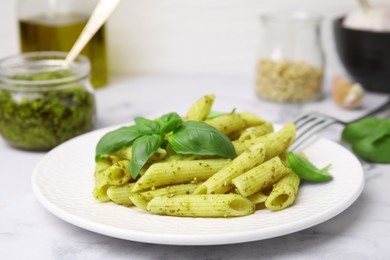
(195, 36)
(201, 37)
(8, 28)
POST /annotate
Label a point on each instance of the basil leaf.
(199, 138)
(115, 140)
(142, 149)
(360, 129)
(370, 139)
(306, 170)
(146, 126)
(376, 146)
(169, 122)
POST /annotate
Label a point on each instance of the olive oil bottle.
(59, 33)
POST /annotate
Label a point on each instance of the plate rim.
(193, 239)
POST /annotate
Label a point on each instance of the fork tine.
(301, 121)
(307, 126)
(301, 139)
(307, 123)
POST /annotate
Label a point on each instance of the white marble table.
(29, 231)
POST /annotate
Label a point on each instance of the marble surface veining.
(29, 231)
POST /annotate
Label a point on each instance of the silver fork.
(310, 124)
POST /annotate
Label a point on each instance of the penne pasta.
(275, 143)
(117, 174)
(250, 119)
(228, 123)
(194, 180)
(201, 108)
(142, 199)
(125, 153)
(219, 182)
(120, 194)
(259, 197)
(256, 132)
(175, 172)
(284, 192)
(260, 177)
(100, 189)
(101, 165)
(217, 205)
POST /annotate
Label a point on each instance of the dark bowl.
(365, 55)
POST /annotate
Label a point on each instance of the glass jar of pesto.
(43, 104)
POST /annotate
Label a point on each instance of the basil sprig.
(169, 122)
(146, 136)
(370, 139)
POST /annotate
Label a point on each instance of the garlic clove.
(345, 94)
(354, 96)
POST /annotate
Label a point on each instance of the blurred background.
(193, 37)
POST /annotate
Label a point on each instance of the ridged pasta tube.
(258, 197)
(284, 192)
(100, 190)
(120, 194)
(117, 174)
(101, 165)
(217, 183)
(251, 119)
(260, 177)
(275, 143)
(101, 185)
(112, 157)
(228, 123)
(256, 132)
(217, 205)
(142, 199)
(125, 153)
(176, 172)
(200, 109)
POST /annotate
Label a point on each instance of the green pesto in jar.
(42, 119)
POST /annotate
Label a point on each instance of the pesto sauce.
(41, 120)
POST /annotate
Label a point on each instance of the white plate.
(63, 183)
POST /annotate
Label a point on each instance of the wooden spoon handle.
(100, 14)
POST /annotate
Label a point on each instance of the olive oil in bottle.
(59, 33)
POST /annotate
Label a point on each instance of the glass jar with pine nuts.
(291, 64)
